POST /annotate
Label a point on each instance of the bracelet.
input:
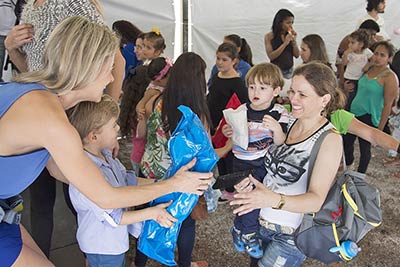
(281, 202)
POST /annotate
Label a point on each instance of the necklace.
(295, 135)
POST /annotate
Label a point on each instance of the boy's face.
(261, 95)
(106, 136)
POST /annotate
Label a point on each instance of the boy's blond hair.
(89, 117)
(266, 73)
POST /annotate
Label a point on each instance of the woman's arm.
(390, 85)
(42, 114)
(323, 174)
(372, 135)
(271, 53)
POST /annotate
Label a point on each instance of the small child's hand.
(271, 123)
(227, 130)
(161, 215)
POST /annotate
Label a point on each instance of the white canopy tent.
(209, 21)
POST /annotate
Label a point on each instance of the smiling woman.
(28, 106)
(283, 196)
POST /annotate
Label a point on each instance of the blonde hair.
(89, 116)
(74, 55)
(98, 6)
(324, 81)
(266, 73)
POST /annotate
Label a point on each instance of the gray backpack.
(351, 209)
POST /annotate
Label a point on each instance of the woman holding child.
(283, 196)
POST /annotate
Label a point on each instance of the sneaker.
(237, 240)
(252, 245)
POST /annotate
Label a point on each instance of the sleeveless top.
(156, 159)
(369, 98)
(19, 171)
(287, 173)
(285, 60)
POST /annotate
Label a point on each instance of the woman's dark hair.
(126, 30)
(156, 39)
(389, 47)
(373, 4)
(186, 86)
(133, 90)
(280, 16)
(229, 49)
(370, 24)
(245, 50)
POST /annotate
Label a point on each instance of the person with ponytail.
(245, 56)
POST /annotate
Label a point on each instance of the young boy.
(267, 124)
(103, 233)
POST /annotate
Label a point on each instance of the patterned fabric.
(46, 17)
(287, 173)
(156, 159)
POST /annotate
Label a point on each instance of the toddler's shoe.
(237, 240)
(253, 245)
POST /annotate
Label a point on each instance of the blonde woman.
(35, 133)
(25, 43)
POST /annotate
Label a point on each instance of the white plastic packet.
(237, 119)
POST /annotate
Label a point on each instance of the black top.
(285, 60)
(220, 91)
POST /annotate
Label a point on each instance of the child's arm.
(141, 128)
(157, 213)
(141, 106)
(272, 124)
(222, 151)
(227, 130)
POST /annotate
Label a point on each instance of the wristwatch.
(281, 202)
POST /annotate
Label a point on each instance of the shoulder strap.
(314, 153)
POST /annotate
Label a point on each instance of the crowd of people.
(81, 85)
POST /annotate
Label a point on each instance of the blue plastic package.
(189, 140)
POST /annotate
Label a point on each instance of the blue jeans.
(100, 260)
(279, 249)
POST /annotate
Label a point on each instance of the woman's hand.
(191, 182)
(161, 215)
(227, 130)
(18, 36)
(248, 198)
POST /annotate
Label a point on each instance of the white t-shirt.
(7, 16)
(355, 64)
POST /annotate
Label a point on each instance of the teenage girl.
(377, 91)
(224, 84)
(245, 56)
(280, 43)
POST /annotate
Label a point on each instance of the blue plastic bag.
(189, 140)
